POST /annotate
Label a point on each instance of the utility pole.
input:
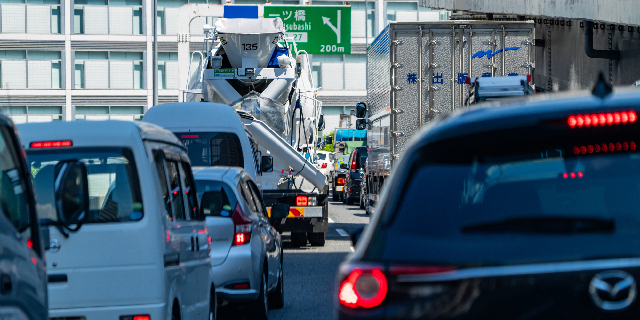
(155, 52)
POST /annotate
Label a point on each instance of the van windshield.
(208, 149)
(114, 193)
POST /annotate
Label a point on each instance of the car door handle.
(5, 284)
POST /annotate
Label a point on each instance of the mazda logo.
(613, 290)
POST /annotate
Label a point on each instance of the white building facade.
(91, 59)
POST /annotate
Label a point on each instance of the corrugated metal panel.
(171, 20)
(114, 46)
(31, 45)
(13, 74)
(121, 74)
(332, 75)
(406, 16)
(96, 20)
(109, 100)
(355, 76)
(120, 20)
(358, 23)
(38, 19)
(32, 100)
(39, 74)
(332, 101)
(171, 74)
(167, 99)
(96, 74)
(12, 17)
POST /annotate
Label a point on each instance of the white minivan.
(143, 251)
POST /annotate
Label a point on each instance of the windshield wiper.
(552, 225)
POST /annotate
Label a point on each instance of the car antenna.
(602, 88)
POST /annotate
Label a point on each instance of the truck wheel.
(299, 239)
(316, 239)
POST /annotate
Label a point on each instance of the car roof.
(230, 175)
(498, 115)
(95, 133)
(194, 115)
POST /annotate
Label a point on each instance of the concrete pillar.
(67, 112)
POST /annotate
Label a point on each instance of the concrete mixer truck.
(249, 65)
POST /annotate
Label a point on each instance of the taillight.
(301, 201)
(602, 119)
(324, 166)
(340, 181)
(30, 243)
(312, 201)
(242, 225)
(367, 286)
(51, 144)
(140, 317)
(353, 164)
(363, 288)
(189, 136)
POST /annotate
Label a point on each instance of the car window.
(560, 197)
(248, 197)
(114, 192)
(322, 156)
(13, 197)
(177, 202)
(220, 201)
(206, 149)
(257, 197)
(162, 176)
(190, 190)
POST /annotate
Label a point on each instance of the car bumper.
(155, 311)
(237, 268)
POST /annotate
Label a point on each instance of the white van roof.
(95, 133)
(200, 116)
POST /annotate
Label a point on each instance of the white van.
(23, 282)
(213, 134)
(143, 251)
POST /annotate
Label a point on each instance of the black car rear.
(527, 212)
(355, 174)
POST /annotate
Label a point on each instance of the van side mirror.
(280, 210)
(328, 140)
(361, 110)
(71, 187)
(266, 164)
(321, 122)
(355, 235)
(362, 124)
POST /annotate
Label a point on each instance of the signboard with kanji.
(316, 29)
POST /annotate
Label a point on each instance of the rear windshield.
(361, 158)
(516, 196)
(114, 193)
(219, 199)
(208, 149)
(322, 156)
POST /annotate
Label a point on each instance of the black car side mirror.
(361, 124)
(71, 187)
(355, 235)
(266, 164)
(280, 210)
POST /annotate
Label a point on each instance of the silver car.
(246, 251)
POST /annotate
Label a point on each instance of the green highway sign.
(316, 29)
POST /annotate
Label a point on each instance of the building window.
(340, 72)
(24, 114)
(108, 70)
(358, 13)
(30, 16)
(168, 70)
(30, 69)
(107, 17)
(126, 113)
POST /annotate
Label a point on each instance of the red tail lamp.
(602, 119)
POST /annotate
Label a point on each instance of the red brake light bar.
(605, 147)
(51, 144)
(602, 119)
(189, 136)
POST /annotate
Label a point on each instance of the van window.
(192, 197)
(162, 176)
(13, 199)
(322, 156)
(114, 193)
(177, 203)
(208, 149)
(221, 200)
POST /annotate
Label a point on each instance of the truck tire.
(317, 239)
(299, 239)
